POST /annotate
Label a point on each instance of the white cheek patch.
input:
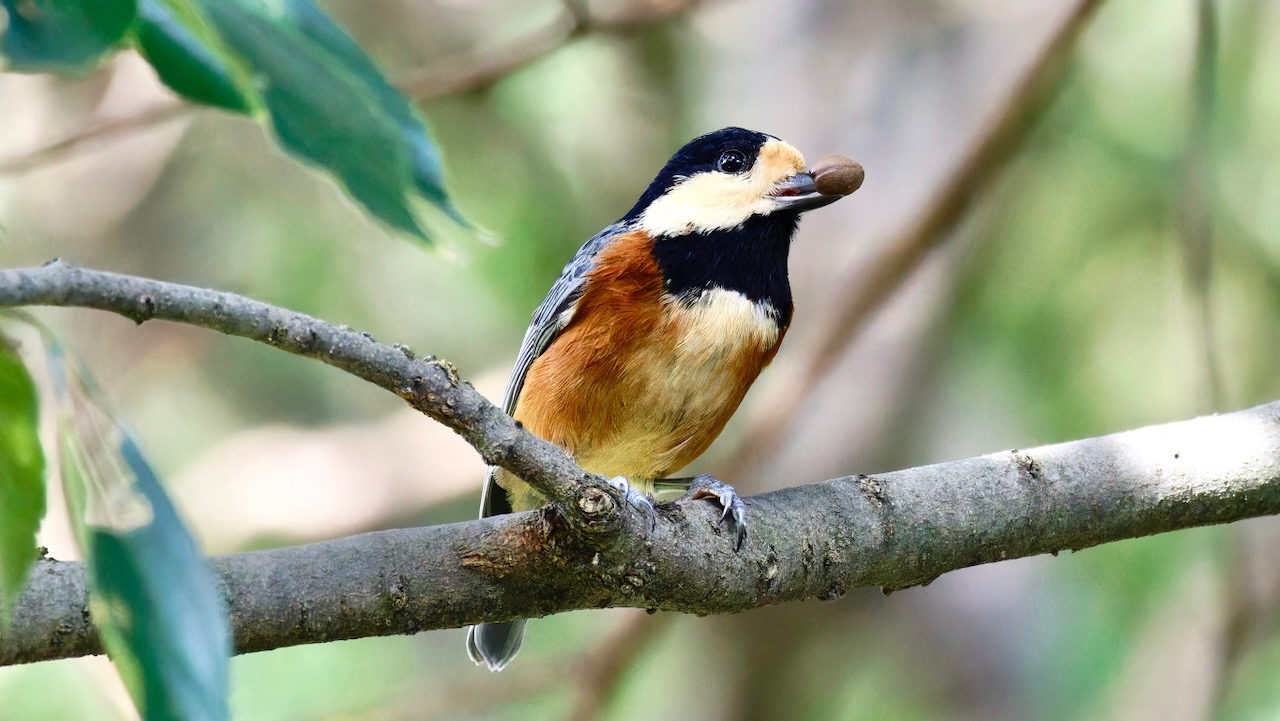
(719, 201)
(710, 201)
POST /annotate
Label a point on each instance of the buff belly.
(643, 396)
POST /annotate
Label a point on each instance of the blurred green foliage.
(22, 469)
(61, 35)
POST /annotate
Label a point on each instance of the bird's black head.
(724, 179)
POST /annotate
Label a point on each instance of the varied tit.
(650, 338)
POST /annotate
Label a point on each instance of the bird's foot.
(636, 499)
(705, 485)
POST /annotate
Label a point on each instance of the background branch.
(592, 678)
(892, 530)
(866, 288)
(469, 71)
(1193, 210)
(149, 117)
(476, 70)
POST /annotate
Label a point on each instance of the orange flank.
(639, 383)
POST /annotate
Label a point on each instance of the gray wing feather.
(551, 317)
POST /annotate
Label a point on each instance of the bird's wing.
(551, 317)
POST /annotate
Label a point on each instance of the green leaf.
(62, 35)
(326, 100)
(424, 159)
(21, 476)
(329, 104)
(189, 57)
(153, 599)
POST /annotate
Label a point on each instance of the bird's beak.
(800, 193)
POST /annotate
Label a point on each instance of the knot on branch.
(595, 504)
(1029, 469)
(601, 514)
(597, 511)
(142, 309)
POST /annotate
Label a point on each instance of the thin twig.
(1242, 616)
(452, 75)
(157, 114)
(469, 71)
(858, 296)
(1194, 221)
(1195, 227)
(599, 674)
(429, 385)
(477, 691)
(593, 676)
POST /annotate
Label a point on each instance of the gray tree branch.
(891, 530)
(431, 386)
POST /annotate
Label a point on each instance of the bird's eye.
(731, 161)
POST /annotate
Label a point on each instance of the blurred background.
(1070, 226)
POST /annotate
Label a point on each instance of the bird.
(652, 334)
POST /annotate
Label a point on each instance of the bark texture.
(890, 530)
(589, 549)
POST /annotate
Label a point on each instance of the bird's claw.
(636, 499)
(706, 485)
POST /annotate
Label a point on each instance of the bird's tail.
(495, 644)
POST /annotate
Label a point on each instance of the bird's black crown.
(731, 150)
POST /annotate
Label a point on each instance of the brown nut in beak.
(837, 175)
